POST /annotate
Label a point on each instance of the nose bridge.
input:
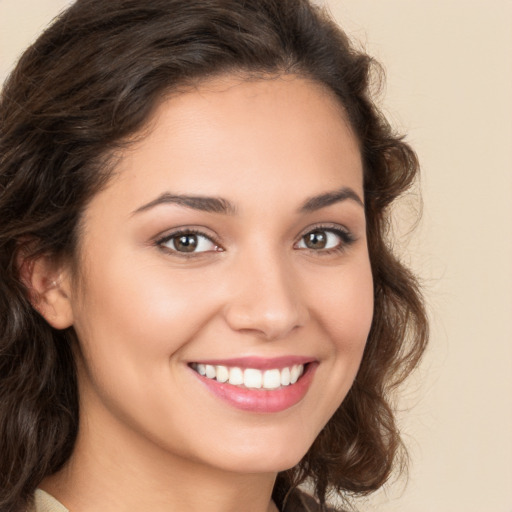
(265, 296)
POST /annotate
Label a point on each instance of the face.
(224, 294)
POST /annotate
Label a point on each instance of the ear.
(49, 286)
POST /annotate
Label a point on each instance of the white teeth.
(285, 377)
(294, 374)
(236, 376)
(210, 371)
(271, 379)
(222, 373)
(251, 377)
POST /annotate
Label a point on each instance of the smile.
(252, 378)
(255, 384)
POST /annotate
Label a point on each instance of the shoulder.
(43, 502)
(300, 501)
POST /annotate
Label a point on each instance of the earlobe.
(49, 287)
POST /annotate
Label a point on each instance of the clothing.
(43, 502)
(298, 501)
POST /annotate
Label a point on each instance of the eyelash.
(183, 232)
(345, 236)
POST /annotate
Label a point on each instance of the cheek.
(344, 311)
(347, 307)
(132, 332)
(138, 313)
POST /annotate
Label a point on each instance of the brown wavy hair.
(89, 82)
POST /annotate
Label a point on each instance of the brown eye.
(185, 243)
(188, 242)
(325, 239)
(316, 240)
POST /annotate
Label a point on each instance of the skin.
(152, 436)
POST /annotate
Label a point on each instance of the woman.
(199, 306)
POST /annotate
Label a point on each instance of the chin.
(263, 457)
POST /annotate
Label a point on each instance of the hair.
(91, 81)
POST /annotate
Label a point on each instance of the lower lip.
(261, 400)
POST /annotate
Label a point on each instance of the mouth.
(251, 378)
(257, 385)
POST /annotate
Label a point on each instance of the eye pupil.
(185, 243)
(316, 240)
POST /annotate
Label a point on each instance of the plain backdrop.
(449, 88)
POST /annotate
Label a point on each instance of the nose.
(265, 299)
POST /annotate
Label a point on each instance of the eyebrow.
(221, 205)
(202, 203)
(330, 198)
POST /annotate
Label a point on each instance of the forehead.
(239, 138)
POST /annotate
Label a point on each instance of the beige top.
(299, 502)
(43, 502)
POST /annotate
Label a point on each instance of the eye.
(325, 239)
(188, 242)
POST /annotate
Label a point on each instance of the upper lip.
(260, 363)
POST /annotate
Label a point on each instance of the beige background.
(449, 87)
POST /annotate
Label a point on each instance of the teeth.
(272, 379)
(222, 373)
(294, 374)
(251, 377)
(236, 376)
(285, 377)
(211, 373)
